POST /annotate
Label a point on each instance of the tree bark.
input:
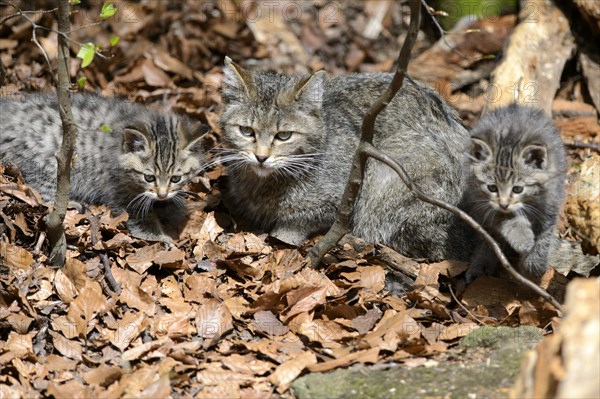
(54, 221)
(531, 68)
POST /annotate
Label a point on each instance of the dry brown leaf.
(102, 375)
(286, 373)
(304, 299)
(13, 256)
(136, 352)
(128, 329)
(66, 347)
(155, 76)
(364, 323)
(213, 320)
(64, 287)
(19, 322)
(19, 344)
(266, 322)
(86, 306)
(143, 258)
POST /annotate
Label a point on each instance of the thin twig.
(3, 73)
(342, 223)
(579, 144)
(373, 152)
(463, 306)
(64, 155)
(94, 231)
(442, 31)
(39, 243)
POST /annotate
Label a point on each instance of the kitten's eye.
(247, 131)
(149, 178)
(517, 189)
(283, 136)
(493, 188)
(175, 179)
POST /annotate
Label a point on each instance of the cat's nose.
(504, 206)
(162, 194)
(261, 158)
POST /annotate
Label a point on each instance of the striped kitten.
(516, 186)
(138, 162)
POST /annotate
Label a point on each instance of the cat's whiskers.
(140, 205)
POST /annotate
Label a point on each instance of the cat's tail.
(566, 256)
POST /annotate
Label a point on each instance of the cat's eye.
(517, 189)
(493, 188)
(283, 136)
(247, 131)
(149, 178)
(175, 179)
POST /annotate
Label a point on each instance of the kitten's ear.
(480, 150)
(238, 82)
(134, 139)
(535, 156)
(310, 89)
(192, 134)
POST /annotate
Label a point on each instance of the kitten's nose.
(261, 158)
(504, 206)
(162, 194)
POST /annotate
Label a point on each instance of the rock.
(485, 367)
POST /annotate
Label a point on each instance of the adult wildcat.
(288, 147)
(129, 157)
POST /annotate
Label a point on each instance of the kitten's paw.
(148, 233)
(473, 273)
(518, 234)
(534, 265)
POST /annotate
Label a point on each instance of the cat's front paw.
(518, 234)
(148, 232)
(534, 264)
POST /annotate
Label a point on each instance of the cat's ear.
(480, 150)
(134, 139)
(310, 89)
(535, 156)
(238, 82)
(192, 135)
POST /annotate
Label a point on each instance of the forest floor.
(227, 313)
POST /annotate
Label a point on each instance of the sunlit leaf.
(106, 129)
(108, 10)
(114, 40)
(81, 82)
(75, 2)
(87, 53)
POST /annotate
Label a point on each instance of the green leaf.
(81, 82)
(108, 10)
(75, 2)
(114, 40)
(87, 53)
(106, 129)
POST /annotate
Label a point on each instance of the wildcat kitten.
(516, 188)
(288, 146)
(140, 166)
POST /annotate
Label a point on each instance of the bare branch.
(54, 221)
(373, 152)
(342, 224)
(579, 144)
